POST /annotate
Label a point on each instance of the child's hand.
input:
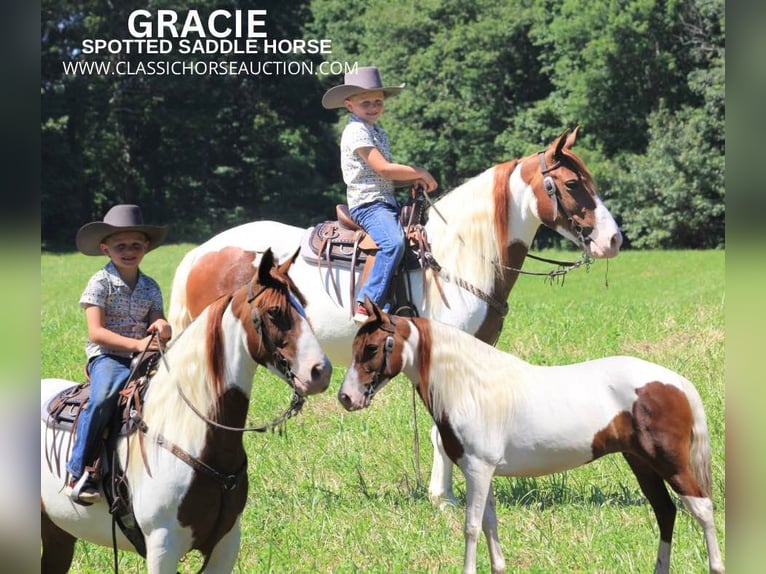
(162, 328)
(425, 180)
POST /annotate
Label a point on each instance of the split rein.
(295, 406)
(562, 268)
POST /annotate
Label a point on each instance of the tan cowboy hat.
(118, 219)
(364, 79)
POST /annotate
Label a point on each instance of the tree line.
(487, 81)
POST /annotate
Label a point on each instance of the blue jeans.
(107, 377)
(381, 221)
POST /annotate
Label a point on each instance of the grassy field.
(341, 492)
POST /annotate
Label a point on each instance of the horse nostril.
(343, 398)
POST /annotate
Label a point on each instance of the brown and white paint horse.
(480, 236)
(499, 415)
(177, 507)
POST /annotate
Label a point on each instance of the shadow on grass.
(553, 490)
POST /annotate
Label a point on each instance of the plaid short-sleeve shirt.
(126, 311)
(364, 184)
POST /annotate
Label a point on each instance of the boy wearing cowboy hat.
(371, 176)
(123, 310)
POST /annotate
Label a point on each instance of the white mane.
(468, 378)
(165, 412)
(467, 242)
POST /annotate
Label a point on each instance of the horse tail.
(699, 459)
(178, 310)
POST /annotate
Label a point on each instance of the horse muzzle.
(317, 381)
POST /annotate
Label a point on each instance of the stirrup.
(88, 497)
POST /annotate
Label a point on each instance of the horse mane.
(501, 196)
(216, 358)
(467, 246)
(469, 376)
(195, 362)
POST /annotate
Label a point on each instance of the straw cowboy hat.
(364, 79)
(118, 219)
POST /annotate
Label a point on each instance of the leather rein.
(562, 267)
(282, 364)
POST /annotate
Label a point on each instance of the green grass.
(339, 492)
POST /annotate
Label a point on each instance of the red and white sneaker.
(361, 314)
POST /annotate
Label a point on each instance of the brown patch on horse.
(209, 510)
(501, 189)
(452, 446)
(490, 328)
(658, 432)
(216, 274)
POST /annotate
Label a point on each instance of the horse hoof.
(442, 501)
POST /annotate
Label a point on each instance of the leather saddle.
(341, 243)
(61, 413)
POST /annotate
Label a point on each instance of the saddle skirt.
(62, 410)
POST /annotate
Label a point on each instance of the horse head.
(278, 334)
(377, 357)
(567, 200)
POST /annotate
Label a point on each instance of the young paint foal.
(500, 415)
(187, 472)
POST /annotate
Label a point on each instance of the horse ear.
(560, 143)
(372, 309)
(265, 266)
(572, 137)
(284, 267)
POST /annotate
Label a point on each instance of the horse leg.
(440, 486)
(58, 547)
(478, 476)
(656, 493)
(702, 509)
(489, 526)
(163, 551)
(224, 555)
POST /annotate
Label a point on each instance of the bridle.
(280, 362)
(388, 346)
(553, 192)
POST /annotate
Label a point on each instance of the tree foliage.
(486, 81)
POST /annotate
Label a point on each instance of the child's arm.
(99, 334)
(396, 171)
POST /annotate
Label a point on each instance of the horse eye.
(274, 312)
(369, 351)
(572, 185)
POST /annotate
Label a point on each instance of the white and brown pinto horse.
(177, 506)
(499, 415)
(479, 232)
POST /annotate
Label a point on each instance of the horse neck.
(488, 224)
(454, 368)
(211, 365)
